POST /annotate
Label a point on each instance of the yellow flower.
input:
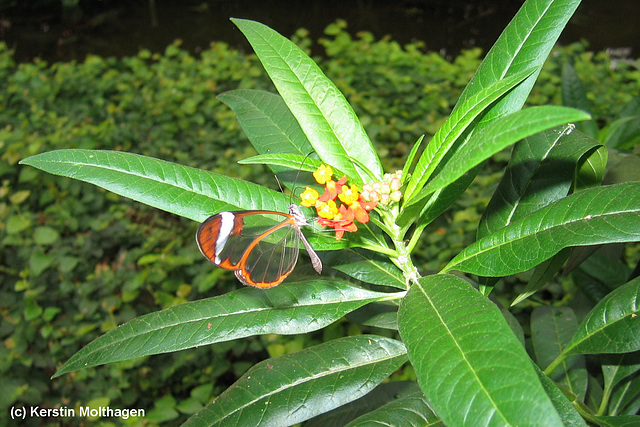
(327, 210)
(349, 195)
(323, 174)
(309, 197)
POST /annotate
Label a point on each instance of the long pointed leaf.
(471, 367)
(594, 216)
(291, 308)
(370, 269)
(618, 421)
(617, 367)
(270, 127)
(551, 330)
(454, 127)
(379, 396)
(291, 161)
(541, 170)
(570, 416)
(298, 386)
(574, 95)
(524, 43)
(612, 326)
(192, 193)
(410, 410)
(440, 201)
(267, 121)
(497, 136)
(324, 114)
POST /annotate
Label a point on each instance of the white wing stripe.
(226, 227)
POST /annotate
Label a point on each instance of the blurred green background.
(76, 261)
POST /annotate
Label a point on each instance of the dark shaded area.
(46, 29)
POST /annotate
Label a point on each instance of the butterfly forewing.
(261, 246)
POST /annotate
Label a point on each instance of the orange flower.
(323, 174)
(359, 212)
(341, 222)
(368, 205)
(309, 197)
(342, 205)
(332, 189)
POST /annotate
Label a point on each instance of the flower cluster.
(340, 205)
(386, 191)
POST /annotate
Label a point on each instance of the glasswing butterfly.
(261, 247)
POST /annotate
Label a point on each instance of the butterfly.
(261, 247)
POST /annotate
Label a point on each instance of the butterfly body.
(261, 247)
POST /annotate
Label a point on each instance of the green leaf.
(267, 121)
(45, 235)
(298, 386)
(454, 127)
(591, 169)
(16, 224)
(471, 367)
(524, 43)
(612, 326)
(570, 416)
(270, 127)
(39, 262)
(439, 202)
(192, 193)
(542, 274)
(513, 323)
(495, 137)
(290, 308)
(617, 367)
(618, 421)
(412, 409)
(379, 315)
(410, 158)
(594, 216)
(370, 269)
(289, 161)
(379, 396)
(32, 309)
(622, 168)
(551, 330)
(18, 197)
(541, 170)
(574, 95)
(625, 399)
(622, 134)
(323, 113)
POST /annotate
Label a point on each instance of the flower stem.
(403, 251)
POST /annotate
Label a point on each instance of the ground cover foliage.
(77, 261)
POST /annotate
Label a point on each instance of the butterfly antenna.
(295, 181)
(279, 183)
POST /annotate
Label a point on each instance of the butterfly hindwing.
(271, 256)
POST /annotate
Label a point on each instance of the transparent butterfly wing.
(261, 246)
(271, 257)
